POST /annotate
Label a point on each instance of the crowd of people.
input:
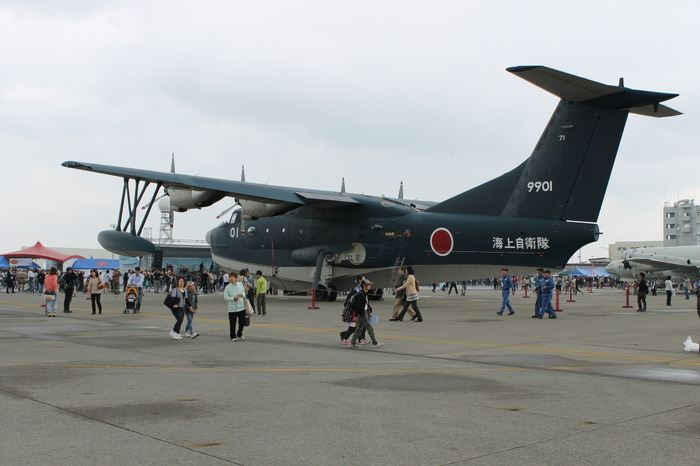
(244, 294)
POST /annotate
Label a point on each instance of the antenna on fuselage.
(342, 186)
(401, 190)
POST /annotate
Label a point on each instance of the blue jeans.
(138, 303)
(506, 302)
(188, 327)
(51, 305)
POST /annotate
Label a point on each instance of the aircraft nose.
(613, 267)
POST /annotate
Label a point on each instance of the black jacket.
(401, 279)
(361, 304)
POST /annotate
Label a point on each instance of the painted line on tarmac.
(237, 369)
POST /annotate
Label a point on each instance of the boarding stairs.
(395, 272)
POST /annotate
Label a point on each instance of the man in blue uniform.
(546, 289)
(535, 287)
(506, 290)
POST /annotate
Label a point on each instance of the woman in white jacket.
(235, 296)
(411, 287)
(93, 287)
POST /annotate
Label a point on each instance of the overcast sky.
(305, 93)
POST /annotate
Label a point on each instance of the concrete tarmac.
(601, 384)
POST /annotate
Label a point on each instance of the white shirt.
(136, 280)
(668, 285)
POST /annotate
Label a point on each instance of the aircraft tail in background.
(567, 174)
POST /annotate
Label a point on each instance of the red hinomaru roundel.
(442, 242)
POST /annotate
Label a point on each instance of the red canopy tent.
(41, 251)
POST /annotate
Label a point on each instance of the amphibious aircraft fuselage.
(364, 239)
(537, 214)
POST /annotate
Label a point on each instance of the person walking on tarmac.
(642, 290)
(668, 287)
(546, 289)
(362, 310)
(412, 288)
(506, 290)
(234, 295)
(349, 315)
(535, 287)
(400, 295)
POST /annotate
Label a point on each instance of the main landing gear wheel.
(332, 293)
(321, 293)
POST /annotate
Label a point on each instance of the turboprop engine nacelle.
(256, 209)
(182, 200)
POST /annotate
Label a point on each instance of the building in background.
(681, 223)
(618, 250)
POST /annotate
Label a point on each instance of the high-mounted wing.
(237, 189)
(665, 262)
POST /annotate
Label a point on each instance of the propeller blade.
(145, 206)
(227, 211)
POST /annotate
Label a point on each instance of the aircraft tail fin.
(567, 174)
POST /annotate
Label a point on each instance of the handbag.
(248, 308)
(49, 295)
(171, 300)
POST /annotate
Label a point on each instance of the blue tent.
(99, 264)
(4, 264)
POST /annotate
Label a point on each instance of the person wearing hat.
(535, 289)
(506, 290)
(362, 310)
(68, 279)
(260, 292)
(546, 288)
(190, 309)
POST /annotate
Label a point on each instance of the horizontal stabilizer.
(581, 90)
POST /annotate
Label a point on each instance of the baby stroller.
(132, 297)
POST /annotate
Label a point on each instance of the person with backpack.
(349, 316)
(362, 310)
